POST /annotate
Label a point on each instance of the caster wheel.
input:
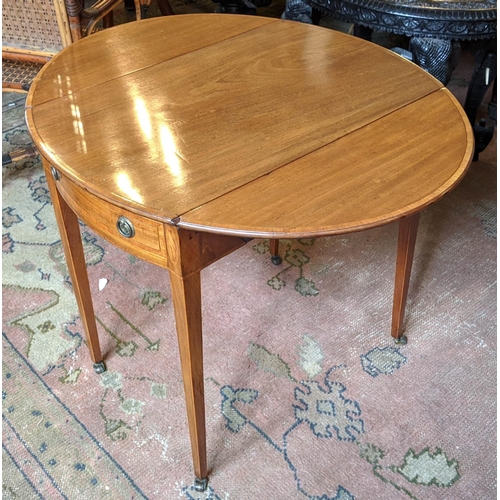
(402, 340)
(200, 484)
(99, 367)
(276, 260)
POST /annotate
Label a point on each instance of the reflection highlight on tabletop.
(156, 131)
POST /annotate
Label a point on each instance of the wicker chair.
(33, 31)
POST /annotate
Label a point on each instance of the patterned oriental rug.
(307, 396)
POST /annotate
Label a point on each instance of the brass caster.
(200, 484)
(402, 340)
(99, 367)
(276, 260)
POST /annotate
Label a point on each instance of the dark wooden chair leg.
(406, 247)
(363, 32)
(108, 20)
(316, 16)
(165, 8)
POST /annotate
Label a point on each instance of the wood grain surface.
(249, 126)
(389, 169)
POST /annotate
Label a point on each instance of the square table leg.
(186, 295)
(406, 247)
(69, 230)
(187, 253)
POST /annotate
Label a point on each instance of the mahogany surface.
(200, 120)
(226, 126)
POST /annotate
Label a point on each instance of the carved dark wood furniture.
(452, 20)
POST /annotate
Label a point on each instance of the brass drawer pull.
(55, 173)
(125, 227)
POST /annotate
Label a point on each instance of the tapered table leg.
(69, 230)
(186, 293)
(188, 252)
(406, 246)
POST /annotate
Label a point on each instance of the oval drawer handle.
(125, 227)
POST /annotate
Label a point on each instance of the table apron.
(148, 241)
(181, 251)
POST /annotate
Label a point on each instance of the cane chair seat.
(18, 75)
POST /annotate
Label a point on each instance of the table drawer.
(137, 235)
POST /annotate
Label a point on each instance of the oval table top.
(248, 126)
